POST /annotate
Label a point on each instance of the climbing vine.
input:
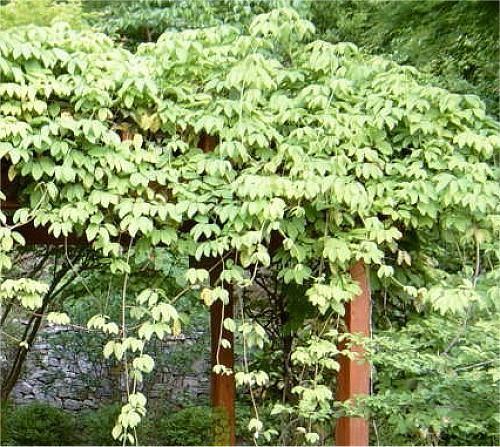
(338, 156)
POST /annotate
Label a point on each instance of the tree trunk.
(22, 351)
(31, 332)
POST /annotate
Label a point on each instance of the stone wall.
(66, 368)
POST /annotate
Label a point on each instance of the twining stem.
(124, 327)
(247, 369)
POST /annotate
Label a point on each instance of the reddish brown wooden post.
(223, 391)
(354, 378)
(222, 386)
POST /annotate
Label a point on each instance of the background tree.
(41, 12)
(456, 42)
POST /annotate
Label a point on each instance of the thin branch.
(476, 365)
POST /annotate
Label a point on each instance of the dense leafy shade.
(346, 156)
(145, 20)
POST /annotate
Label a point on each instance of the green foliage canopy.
(344, 155)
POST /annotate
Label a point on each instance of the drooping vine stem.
(247, 371)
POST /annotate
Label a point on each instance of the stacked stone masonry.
(64, 375)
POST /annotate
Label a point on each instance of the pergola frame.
(353, 378)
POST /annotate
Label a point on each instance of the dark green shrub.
(5, 439)
(243, 415)
(189, 426)
(95, 426)
(37, 424)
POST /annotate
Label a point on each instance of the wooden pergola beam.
(41, 236)
(354, 377)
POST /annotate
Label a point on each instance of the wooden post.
(354, 378)
(222, 386)
(223, 390)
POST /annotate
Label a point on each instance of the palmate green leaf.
(204, 229)
(97, 322)
(61, 318)
(297, 274)
(144, 363)
(195, 276)
(117, 431)
(133, 344)
(255, 425)
(311, 437)
(452, 300)
(137, 400)
(164, 312)
(28, 291)
(370, 253)
(333, 295)
(229, 324)
(111, 328)
(109, 349)
(385, 271)
(336, 250)
(148, 296)
(146, 330)
(233, 275)
(119, 266)
(219, 293)
(118, 350)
